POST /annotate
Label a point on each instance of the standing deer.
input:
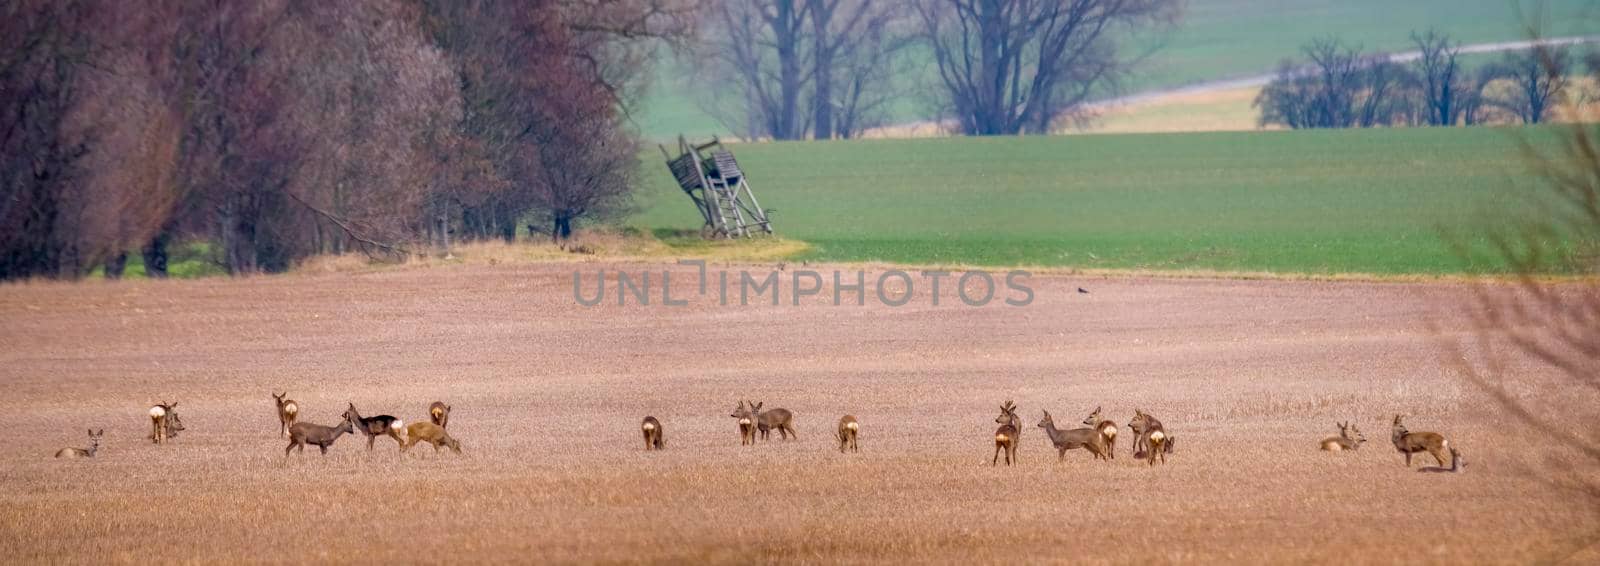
(288, 411)
(1409, 443)
(164, 422)
(848, 430)
(1107, 428)
(374, 427)
(1141, 438)
(1005, 437)
(1457, 464)
(654, 437)
(1086, 438)
(747, 425)
(1345, 440)
(430, 433)
(780, 419)
(439, 413)
(94, 446)
(1157, 443)
(322, 437)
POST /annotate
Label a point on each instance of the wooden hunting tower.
(712, 178)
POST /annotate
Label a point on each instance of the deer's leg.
(370, 438)
(286, 449)
(1408, 459)
(996, 460)
(1437, 456)
(324, 448)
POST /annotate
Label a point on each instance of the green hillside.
(1369, 201)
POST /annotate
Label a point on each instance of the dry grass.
(1248, 375)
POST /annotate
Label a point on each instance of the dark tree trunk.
(116, 265)
(155, 257)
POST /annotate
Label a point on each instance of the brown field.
(1248, 375)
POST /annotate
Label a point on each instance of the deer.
(747, 425)
(848, 430)
(1141, 440)
(303, 433)
(374, 427)
(780, 419)
(1457, 465)
(1089, 439)
(1157, 442)
(1107, 428)
(1350, 438)
(1409, 443)
(431, 433)
(288, 411)
(1005, 437)
(94, 446)
(439, 413)
(654, 436)
(164, 422)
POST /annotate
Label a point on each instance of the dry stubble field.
(1248, 375)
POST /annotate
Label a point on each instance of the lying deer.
(430, 433)
(780, 419)
(1086, 438)
(1409, 443)
(440, 414)
(164, 422)
(1457, 464)
(322, 437)
(654, 438)
(94, 446)
(1107, 428)
(288, 411)
(747, 425)
(374, 427)
(1345, 440)
(848, 430)
(1154, 436)
(1006, 437)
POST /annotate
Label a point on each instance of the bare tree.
(1016, 66)
(855, 43)
(761, 52)
(1441, 76)
(1539, 79)
(1339, 87)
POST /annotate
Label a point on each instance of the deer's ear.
(91, 431)
(102, 432)
(172, 405)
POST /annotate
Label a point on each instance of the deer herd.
(1151, 441)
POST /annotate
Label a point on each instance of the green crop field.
(1218, 39)
(1317, 202)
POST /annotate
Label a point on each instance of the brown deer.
(1086, 438)
(1006, 437)
(94, 446)
(848, 430)
(1350, 438)
(1409, 443)
(1141, 440)
(439, 413)
(430, 433)
(654, 437)
(747, 425)
(374, 427)
(1157, 442)
(1457, 464)
(1107, 428)
(164, 422)
(288, 411)
(780, 419)
(303, 433)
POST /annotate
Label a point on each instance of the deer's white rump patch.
(852, 426)
(1157, 436)
(157, 411)
(649, 426)
(291, 408)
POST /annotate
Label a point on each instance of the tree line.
(279, 129)
(1336, 85)
(821, 69)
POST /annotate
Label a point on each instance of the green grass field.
(1219, 39)
(1316, 202)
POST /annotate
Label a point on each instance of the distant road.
(1262, 79)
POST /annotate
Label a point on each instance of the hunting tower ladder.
(711, 177)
